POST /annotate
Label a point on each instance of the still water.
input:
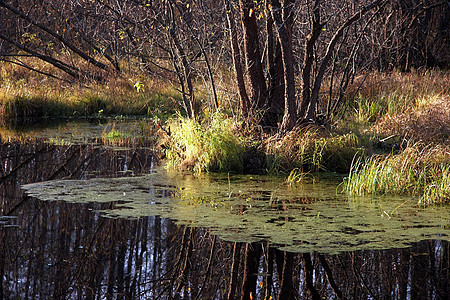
(84, 220)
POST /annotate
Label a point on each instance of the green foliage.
(208, 146)
(417, 170)
(115, 135)
(297, 176)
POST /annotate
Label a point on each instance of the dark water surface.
(82, 250)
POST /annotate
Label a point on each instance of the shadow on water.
(63, 250)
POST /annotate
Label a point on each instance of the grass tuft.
(208, 146)
(417, 170)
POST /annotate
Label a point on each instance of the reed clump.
(209, 145)
(418, 170)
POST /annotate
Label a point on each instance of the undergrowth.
(382, 116)
(311, 149)
(413, 106)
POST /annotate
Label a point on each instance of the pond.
(84, 218)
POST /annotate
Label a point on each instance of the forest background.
(264, 86)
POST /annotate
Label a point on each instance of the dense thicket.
(292, 60)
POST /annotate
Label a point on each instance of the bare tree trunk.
(202, 50)
(311, 113)
(316, 29)
(255, 72)
(275, 91)
(185, 65)
(239, 74)
(284, 20)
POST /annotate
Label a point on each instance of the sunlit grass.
(208, 146)
(418, 170)
(116, 136)
(24, 94)
(297, 176)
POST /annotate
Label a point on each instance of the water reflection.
(306, 218)
(60, 250)
(76, 131)
(36, 161)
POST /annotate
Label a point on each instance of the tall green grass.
(418, 170)
(211, 145)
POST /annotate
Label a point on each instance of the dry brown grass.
(24, 93)
(414, 106)
(427, 121)
(404, 87)
(311, 148)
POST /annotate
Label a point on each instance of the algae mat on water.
(301, 218)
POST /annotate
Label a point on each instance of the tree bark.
(275, 91)
(239, 74)
(284, 20)
(316, 29)
(255, 74)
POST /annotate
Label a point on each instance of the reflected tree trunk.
(419, 271)
(308, 275)
(3, 237)
(252, 255)
(329, 276)
(112, 254)
(404, 273)
(62, 269)
(232, 286)
(285, 274)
